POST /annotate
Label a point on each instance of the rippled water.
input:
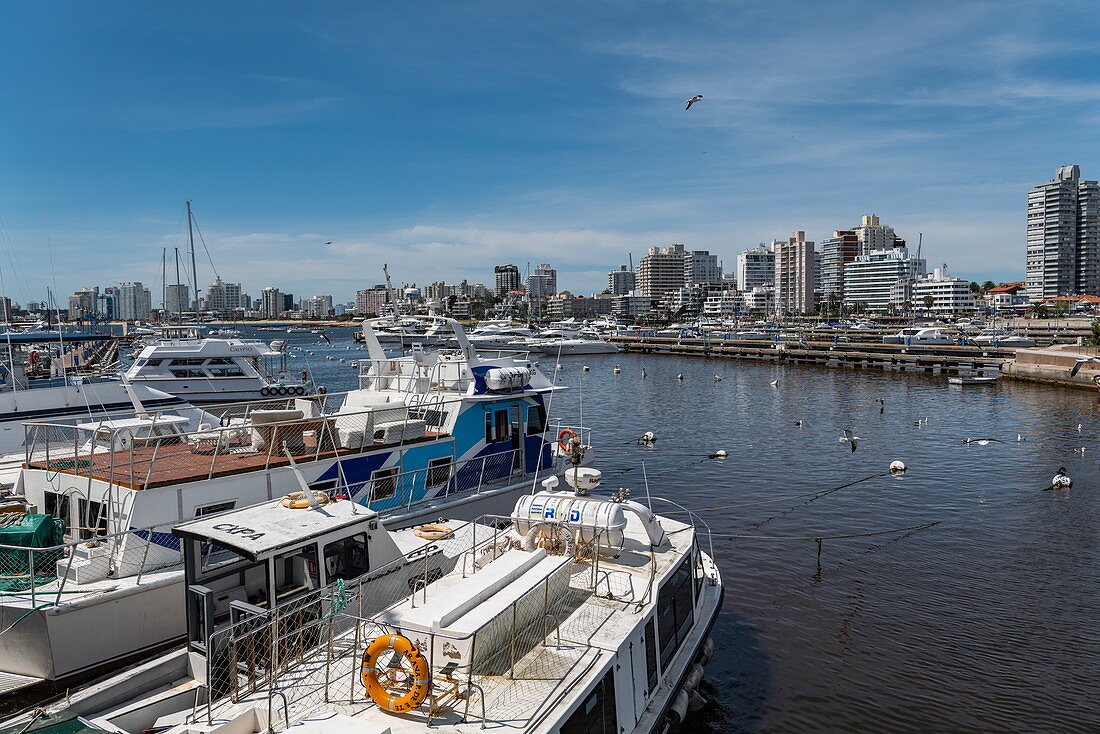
(985, 622)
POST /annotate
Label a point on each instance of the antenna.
(920, 243)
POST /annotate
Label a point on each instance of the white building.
(794, 275)
(271, 303)
(759, 300)
(631, 305)
(723, 304)
(134, 302)
(222, 297)
(317, 307)
(869, 278)
(661, 271)
(948, 294)
(756, 268)
(542, 283)
(701, 268)
(874, 235)
(1063, 236)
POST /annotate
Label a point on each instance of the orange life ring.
(368, 673)
(566, 446)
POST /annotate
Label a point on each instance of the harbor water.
(986, 621)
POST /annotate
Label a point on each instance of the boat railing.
(310, 649)
(50, 575)
(149, 455)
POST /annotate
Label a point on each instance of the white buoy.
(616, 370)
(897, 467)
(561, 367)
(719, 454)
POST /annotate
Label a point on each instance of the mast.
(389, 288)
(194, 271)
(163, 281)
(179, 307)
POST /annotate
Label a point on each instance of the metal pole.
(194, 271)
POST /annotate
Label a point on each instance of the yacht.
(181, 362)
(1000, 337)
(569, 341)
(570, 613)
(918, 336)
(427, 435)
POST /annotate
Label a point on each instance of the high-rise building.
(874, 235)
(82, 304)
(106, 303)
(621, 281)
(794, 275)
(134, 301)
(701, 268)
(1063, 237)
(222, 297)
(5, 309)
(271, 303)
(288, 301)
(869, 278)
(756, 268)
(661, 271)
(507, 279)
(177, 298)
(317, 307)
(542, 283)
(370, 301)
(836, 252)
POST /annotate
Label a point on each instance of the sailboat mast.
(194, 270)
(179, 306)
(163, 281)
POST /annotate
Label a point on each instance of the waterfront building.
(701, 268)
(134, 301)
(869, 278)
(1063, 236)
(756, 268)
(621, 281)
(271, 303)
(836, 252)
(631, 306)
(872, 234)
(565, 305)
(177, 298)
(82, 303)
(759, 300)
(542, 283)
(947, 294)
(1007, 296)
(661, 271)
(723, 304)
(507, 279)
(223, 298)
(794, 275)
(369, 301)
(317, 307)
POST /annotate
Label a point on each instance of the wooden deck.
(147, 467)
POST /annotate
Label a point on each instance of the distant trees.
(1093, 339)
(1037, 310)
(928, 301)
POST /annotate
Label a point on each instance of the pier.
(945, 358)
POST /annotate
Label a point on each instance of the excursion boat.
(427, 435)
(205, 370)
(570, 613)
(918, 336)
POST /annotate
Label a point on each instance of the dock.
(946, 358)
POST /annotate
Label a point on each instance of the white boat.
(566, 340)
(204, 370)
(919, 336)
(427, 435)
(972, 380)
(1001, 338)
(297, 329)
(567, 614)
(750, 336)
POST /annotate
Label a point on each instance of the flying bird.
(692, 101)
(850, 439)
(328, 243)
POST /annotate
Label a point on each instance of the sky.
(445, 138)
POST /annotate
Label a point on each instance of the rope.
(831, 537)
(815, 495)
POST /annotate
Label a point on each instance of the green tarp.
(18, 531)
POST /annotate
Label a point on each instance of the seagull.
(692, 101)
(328, 243)
(981, 441)
(850, 439)
(717, 378)
(1021, 437)
(775, 383)
(643, 372)
(1077, 365)
(1061, 480)
(1079, 427)
(798, 424)
(680, 377)
(1079, 451)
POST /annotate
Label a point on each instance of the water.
(984, 622)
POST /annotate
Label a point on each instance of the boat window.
(139, 363)
(152, 362)
(651, 654)
(187, 362)
(439, 471)
(675, 611)
(214, 508)
(226, 371)
(219, 360)
(489, 427)
(188, 373)
(536, 420)
(214, 556)
(58, 506)
(346, 558)
(700, 572)
(502, 427)
(383, 483)
(296, 571)
(596, 713)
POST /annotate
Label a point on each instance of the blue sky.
(444, 138)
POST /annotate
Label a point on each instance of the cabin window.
(489, 427)
(58, 506)
(296, 571)
(439, 471)
(651, 654)
(188, 373)
(383, 483)
(502, 427)
(90, 518)
(675, 611)
(596, 713)
(226, 371)
(215, 508)
(536, 420)
(187, 362)
(220, 360)
(347, 558)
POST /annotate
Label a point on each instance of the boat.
(203, 370)
(570, 613)
(566, 340)
(919, 336)
(972, 379)
(1001, 338)
(297, 329)
(426, 435)
(750, 336)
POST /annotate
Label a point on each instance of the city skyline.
(308, 138)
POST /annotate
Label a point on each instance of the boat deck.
(146, 467)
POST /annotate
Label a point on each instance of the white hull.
(554, 348)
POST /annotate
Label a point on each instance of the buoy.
(719, 454)
(897, 467)
(649, 437)
(616, 370)
(432, 531)
(560, 367)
